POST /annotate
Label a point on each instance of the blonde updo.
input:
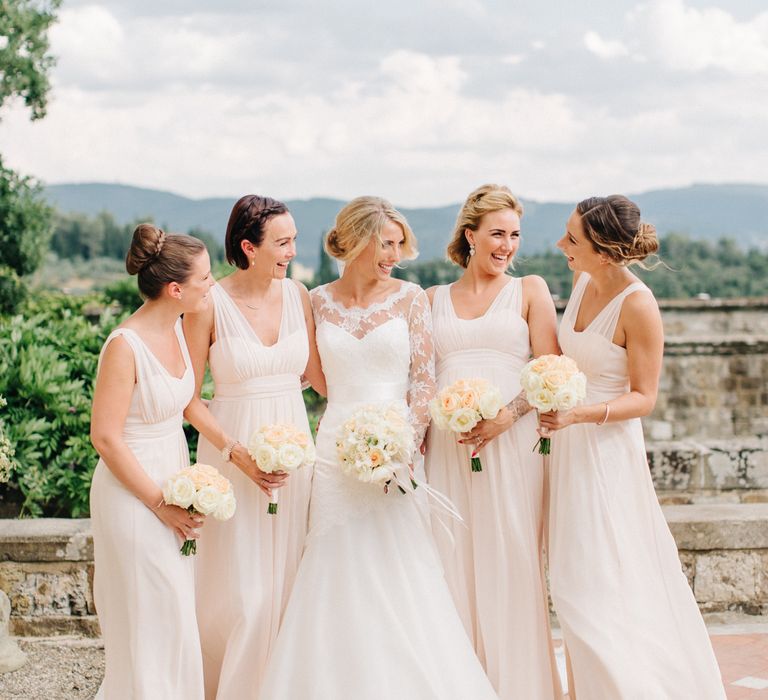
(613, 226)
(159, 258)
(484, 200)
(359, 221)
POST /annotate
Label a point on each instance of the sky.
(419, 102)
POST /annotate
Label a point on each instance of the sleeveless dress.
(245, 567)
(629, 619)
(143, 586)
(494, 566)
(370, 616)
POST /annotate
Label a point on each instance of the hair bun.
(146, 245)
(646, 241)
(332, 245)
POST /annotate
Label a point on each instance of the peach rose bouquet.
(373, 443)
(280, 447)
(462, 405)
(552, 383)
(200, 488)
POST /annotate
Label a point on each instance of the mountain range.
(703, 211)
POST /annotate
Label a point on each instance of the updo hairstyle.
(613, 226)
(247, 222)
(484, 200)
(359, 221)
(159, 258)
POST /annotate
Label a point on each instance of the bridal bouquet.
(462, 405)
(373, 443)
(200, 489)
(280, 447)
(552, 383)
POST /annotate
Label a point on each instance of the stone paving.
(71, 668)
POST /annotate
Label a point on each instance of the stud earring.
(471, 249)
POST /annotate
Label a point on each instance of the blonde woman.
(487, 325)
(629, 619)
(370, 615)
(143, 586)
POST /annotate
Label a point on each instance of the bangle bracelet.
(607, 413)
(160, 503)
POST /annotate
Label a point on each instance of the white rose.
(265, 457)
(380, 474)
(256, 439)
(531, 382)
(290, 456)
(179, 492)
(207, 500)
(490, 403)
(566, 398)
(462, 420)
(227, 506)
(542, 400)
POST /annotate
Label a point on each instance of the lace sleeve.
(421, 377)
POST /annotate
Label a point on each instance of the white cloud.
(603, 48)
(689, 39)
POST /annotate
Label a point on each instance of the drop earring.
(471, 249)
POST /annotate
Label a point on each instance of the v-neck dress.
(493, 560)
(245, 567)
(143, 586)
(629, 619)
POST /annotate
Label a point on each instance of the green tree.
(325, 269)
(24, 65)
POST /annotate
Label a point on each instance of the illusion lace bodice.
(378, 353)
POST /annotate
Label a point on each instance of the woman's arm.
(641, 326)
(198, 331)
(111, 401)
(314, 370)
(421, 376)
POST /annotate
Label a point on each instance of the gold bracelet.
(607, 413)
(160, 504)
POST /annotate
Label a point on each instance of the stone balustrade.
(46, 566)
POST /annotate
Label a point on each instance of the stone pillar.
(11, 657)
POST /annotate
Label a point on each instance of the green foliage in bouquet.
(48, 359)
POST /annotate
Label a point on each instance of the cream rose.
(227, 506)
(462, 420)
(179, 491)
(490, 403)
(207, 500)
(542, 400)
(265, 457)
(290, 456)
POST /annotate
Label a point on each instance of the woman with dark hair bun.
(258, 338)
(143, 586)
(630, 622)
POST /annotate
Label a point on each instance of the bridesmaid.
(258, 337)
(486, 325)
(143, 586)
(629, 619)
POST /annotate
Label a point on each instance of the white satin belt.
(152, 431)
(373, 393)
(480, 357)
(258, 387)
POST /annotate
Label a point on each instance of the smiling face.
(195, 291)
(578, 249)
(277, 248)
(496, 241)
(382, 253)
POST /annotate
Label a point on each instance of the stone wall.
(46, 566)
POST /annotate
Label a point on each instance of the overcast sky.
(416, 101)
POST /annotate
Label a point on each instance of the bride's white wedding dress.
(370, 615)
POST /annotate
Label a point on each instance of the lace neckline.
(363, 310)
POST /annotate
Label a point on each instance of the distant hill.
(702, 211)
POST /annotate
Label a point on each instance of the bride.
(370, 615)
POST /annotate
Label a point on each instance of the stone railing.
(46, 566)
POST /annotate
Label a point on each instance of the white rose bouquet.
(552, 383)
(462, 405)
(200, 488)
(280, 447)
(373, 442)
